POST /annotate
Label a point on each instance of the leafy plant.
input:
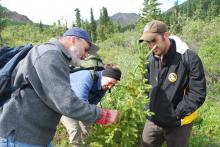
(210, 50)
(130, 99)
(194, 32)
(206, 128)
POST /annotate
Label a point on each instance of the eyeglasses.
(87, 49)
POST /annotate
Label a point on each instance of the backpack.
(91, 63)
(9, 58)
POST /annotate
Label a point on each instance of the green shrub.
(210, 55)
(196, 31)
(206, 128)
(130, 99)
(15, 35)
(120, 49)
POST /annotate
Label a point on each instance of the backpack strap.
(75, 69)
(92, 70)
(94, 77)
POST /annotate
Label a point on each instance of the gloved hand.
(108, 117)
(188, 119)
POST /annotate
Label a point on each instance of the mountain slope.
(124, 19)
(15, 16)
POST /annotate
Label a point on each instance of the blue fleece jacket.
(82, 85)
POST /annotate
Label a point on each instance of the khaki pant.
(154, 136)
(76, 129)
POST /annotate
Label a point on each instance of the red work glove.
(108, 117)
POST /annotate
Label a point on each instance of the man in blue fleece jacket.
(90, 91)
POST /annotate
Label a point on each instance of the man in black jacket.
(178, 88)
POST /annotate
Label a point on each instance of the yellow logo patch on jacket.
(172, 77)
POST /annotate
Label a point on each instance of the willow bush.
(129, 99)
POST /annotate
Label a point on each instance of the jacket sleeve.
(196, 91)
(54, 89)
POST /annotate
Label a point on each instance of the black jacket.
(178, 89)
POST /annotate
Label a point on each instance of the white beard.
(75, 55)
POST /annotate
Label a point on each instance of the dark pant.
(154, 136)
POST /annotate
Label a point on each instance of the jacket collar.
(167, 58)
(61, 47)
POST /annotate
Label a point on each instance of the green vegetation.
(211, 47)
(2, 21)
(121, 49)
(130, 99)
(195, 32)
(206, 127)
(20, 34)
(197, 22)
(78, 18)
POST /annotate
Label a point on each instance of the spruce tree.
(106, 18)
(175, 22)
(58, 23)
(93, 26)
(117, 27)
(78, 18)
(189, 9)
(214, 9)
(101, 27)
(109, 29)
(41, 26)
(86, 26)
(202, 7)
(149, 12)
(104, 26)
(176, 6)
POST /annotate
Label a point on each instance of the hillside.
(202, 9)
(16, 16)
(124, 19)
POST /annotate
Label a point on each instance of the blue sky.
(50, 11)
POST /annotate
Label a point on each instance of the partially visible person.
(30, 117)
(178, 88)
(90, 91)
